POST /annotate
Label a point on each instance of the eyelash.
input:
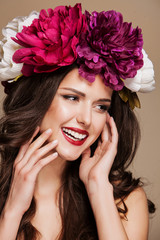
(101, 108)
(71, 97)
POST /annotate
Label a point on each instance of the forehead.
(97, 88)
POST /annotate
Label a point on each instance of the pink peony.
(50, 41)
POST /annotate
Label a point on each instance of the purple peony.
(110, 47)
(50, 41)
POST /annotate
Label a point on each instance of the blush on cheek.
(66, 111)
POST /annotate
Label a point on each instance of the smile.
(75, 136)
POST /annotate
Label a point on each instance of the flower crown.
(101, 43)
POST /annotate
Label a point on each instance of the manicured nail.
(54, 142)
(48, 130)
(55, 154)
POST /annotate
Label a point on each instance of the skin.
(81, 105)
(39, 166)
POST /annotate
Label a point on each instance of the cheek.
(57, 116)
(49, 120)
(99, 125)
(64, 114)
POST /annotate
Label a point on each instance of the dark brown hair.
(24, 108)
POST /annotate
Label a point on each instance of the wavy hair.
(24, 108)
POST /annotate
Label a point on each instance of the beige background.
(146, 14)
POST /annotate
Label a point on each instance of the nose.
(84, 115)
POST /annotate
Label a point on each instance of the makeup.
(75, 136)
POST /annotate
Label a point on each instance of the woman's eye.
(102, 108)
(71, 97)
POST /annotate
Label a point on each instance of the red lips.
(80, 131)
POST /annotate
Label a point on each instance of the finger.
(38, 143)
(105, 133)
(108, 147)
(25, 146)
(86, 154)
(39, 154)
(33, 147)
(114, 132)
(42, 163)
(108, 117)
(99, 143)
(106, 138)
(111, 148)
(98, 149)
(34, 134)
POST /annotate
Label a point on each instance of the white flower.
(144, 79)
(9, 69)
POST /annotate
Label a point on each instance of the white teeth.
(74, 135)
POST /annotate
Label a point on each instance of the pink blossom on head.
(111, 47)
(50, 41)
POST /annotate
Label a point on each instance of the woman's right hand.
(32, 157)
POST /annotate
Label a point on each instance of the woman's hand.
(96, 169)
(32, 157)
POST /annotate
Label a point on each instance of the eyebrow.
(83, 95)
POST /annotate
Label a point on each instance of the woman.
(64, 158)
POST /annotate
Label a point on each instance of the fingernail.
(37, 128)
(49, 130)
(54, 142)
(55, 154)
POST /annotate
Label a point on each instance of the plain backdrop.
(145, 14)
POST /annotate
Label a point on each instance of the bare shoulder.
(137, 221)
(138, 196)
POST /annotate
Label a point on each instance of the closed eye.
(71, 97)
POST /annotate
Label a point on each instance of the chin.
(68, 155)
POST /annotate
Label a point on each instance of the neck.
(49, 179)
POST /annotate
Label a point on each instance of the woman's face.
(77, 114)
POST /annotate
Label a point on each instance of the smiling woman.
(69, 132)
(76, 108)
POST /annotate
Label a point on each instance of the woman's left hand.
(96, 169)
